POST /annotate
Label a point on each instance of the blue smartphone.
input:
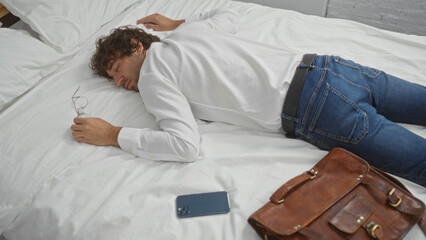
(202, 204)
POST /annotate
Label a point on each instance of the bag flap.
(335, 176)
(352, 215)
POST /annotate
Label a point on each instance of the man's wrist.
(115, 131)
(178, 23)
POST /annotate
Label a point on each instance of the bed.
(52, 187)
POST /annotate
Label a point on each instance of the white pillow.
(64, 24)
(24, 61)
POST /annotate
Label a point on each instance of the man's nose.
(118, 79)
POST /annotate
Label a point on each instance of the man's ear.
(140, 48)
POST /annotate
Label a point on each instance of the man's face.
(125, 70)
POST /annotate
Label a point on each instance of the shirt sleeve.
(179, 138)
(217, 19)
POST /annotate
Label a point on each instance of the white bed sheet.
(52, 187)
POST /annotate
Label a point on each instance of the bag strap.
(395, 200)
(394, 180)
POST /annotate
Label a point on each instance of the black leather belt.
(291, 101)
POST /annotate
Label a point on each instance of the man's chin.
(135, 89)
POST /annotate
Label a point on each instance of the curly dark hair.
(120, 43)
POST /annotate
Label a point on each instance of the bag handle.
(281, 193)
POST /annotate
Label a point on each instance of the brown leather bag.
(341, 197)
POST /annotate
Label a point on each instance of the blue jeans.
(344, 104)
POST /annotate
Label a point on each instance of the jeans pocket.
(366, 71)
(339, 118)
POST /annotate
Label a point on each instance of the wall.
(406, 16)
(312, 7)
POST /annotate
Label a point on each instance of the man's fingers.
(148, 19)
(77, 135)
(140, 21)
(76, 127)
(144, 21)
(95, 131)
(150, 26)
(80, 137)
(80, 140)
(78, 120)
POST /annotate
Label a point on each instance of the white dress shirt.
(201, 70)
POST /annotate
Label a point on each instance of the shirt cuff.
(128, 139)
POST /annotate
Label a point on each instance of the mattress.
(52, 187)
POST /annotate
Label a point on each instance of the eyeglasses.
(79, 103)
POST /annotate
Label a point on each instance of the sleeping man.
(202, 70)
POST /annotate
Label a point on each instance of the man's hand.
(95, 131)
(158, 22)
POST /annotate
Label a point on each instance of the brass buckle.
(399, 198)
(371, 228)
